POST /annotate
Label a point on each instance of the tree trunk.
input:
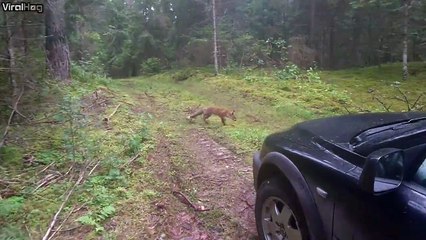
(331, 43)
(58, 59)
(312, 24)
(356, 34)
(405, 42)
(215, 52)
(12, 56)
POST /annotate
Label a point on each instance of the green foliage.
(290, 71)
(11, 156)
(11, 232)
(151, 66)
(249, 138)
(48, 156)
(183, 75)
(95, 219)
(10, 206)
(313, 75)
(135, 141)
(86, 73)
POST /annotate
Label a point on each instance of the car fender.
(297, 181)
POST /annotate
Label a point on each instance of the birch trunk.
(216, 65)
(405, 43)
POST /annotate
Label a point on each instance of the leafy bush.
(182, 75)
(290, 71)
(313, 75)
(83, 74)
(96, 218)
(151, 66)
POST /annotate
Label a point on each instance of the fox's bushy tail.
(197, 113)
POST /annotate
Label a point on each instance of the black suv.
(354, 177)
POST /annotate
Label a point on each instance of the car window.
(420, 176)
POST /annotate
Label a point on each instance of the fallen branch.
(131, 160)
(149, 96)
(62, 223)
(45, 168)
(18, 112)
(183, 199)
(48, 179)
(70, 192)
(112, 114)
(29, 232)
(93, 169)
(15, 105)
(131, 104)
(79, 208)
(69, 229)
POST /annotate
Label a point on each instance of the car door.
(400, 214)
(414, 192)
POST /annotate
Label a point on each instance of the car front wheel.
(278, 214)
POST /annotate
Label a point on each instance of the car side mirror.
(383, 171)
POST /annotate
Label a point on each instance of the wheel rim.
(278, 221)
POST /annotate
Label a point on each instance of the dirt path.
(223, 182)
(195, 167)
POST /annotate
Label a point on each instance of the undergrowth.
(67, 138)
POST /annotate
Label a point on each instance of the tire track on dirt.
(223, 181)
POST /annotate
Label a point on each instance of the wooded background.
(132, 37)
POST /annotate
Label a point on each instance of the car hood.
(335, 138)
(342, 129)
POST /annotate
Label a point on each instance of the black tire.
(279, 192)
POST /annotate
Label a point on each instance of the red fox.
(220, 112)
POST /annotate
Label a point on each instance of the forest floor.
(190, 180)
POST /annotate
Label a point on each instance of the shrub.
(182, 75)
(151, 66)
(290, 71)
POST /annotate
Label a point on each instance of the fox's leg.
(206, 116)
(223, 120)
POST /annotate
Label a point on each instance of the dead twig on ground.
(93, 169)
(15, 107)
(18, 112)
(195, 177)
(106, 119)
(55, 217)
(48, 179)
(68, 195)
(69, 229)
(29, 232)
(146, 94)
(45, 168)
(183, 199)
(131, 160)
(62, 223)
(79, 208)
(131, 104)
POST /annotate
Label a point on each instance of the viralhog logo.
(22, 7)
